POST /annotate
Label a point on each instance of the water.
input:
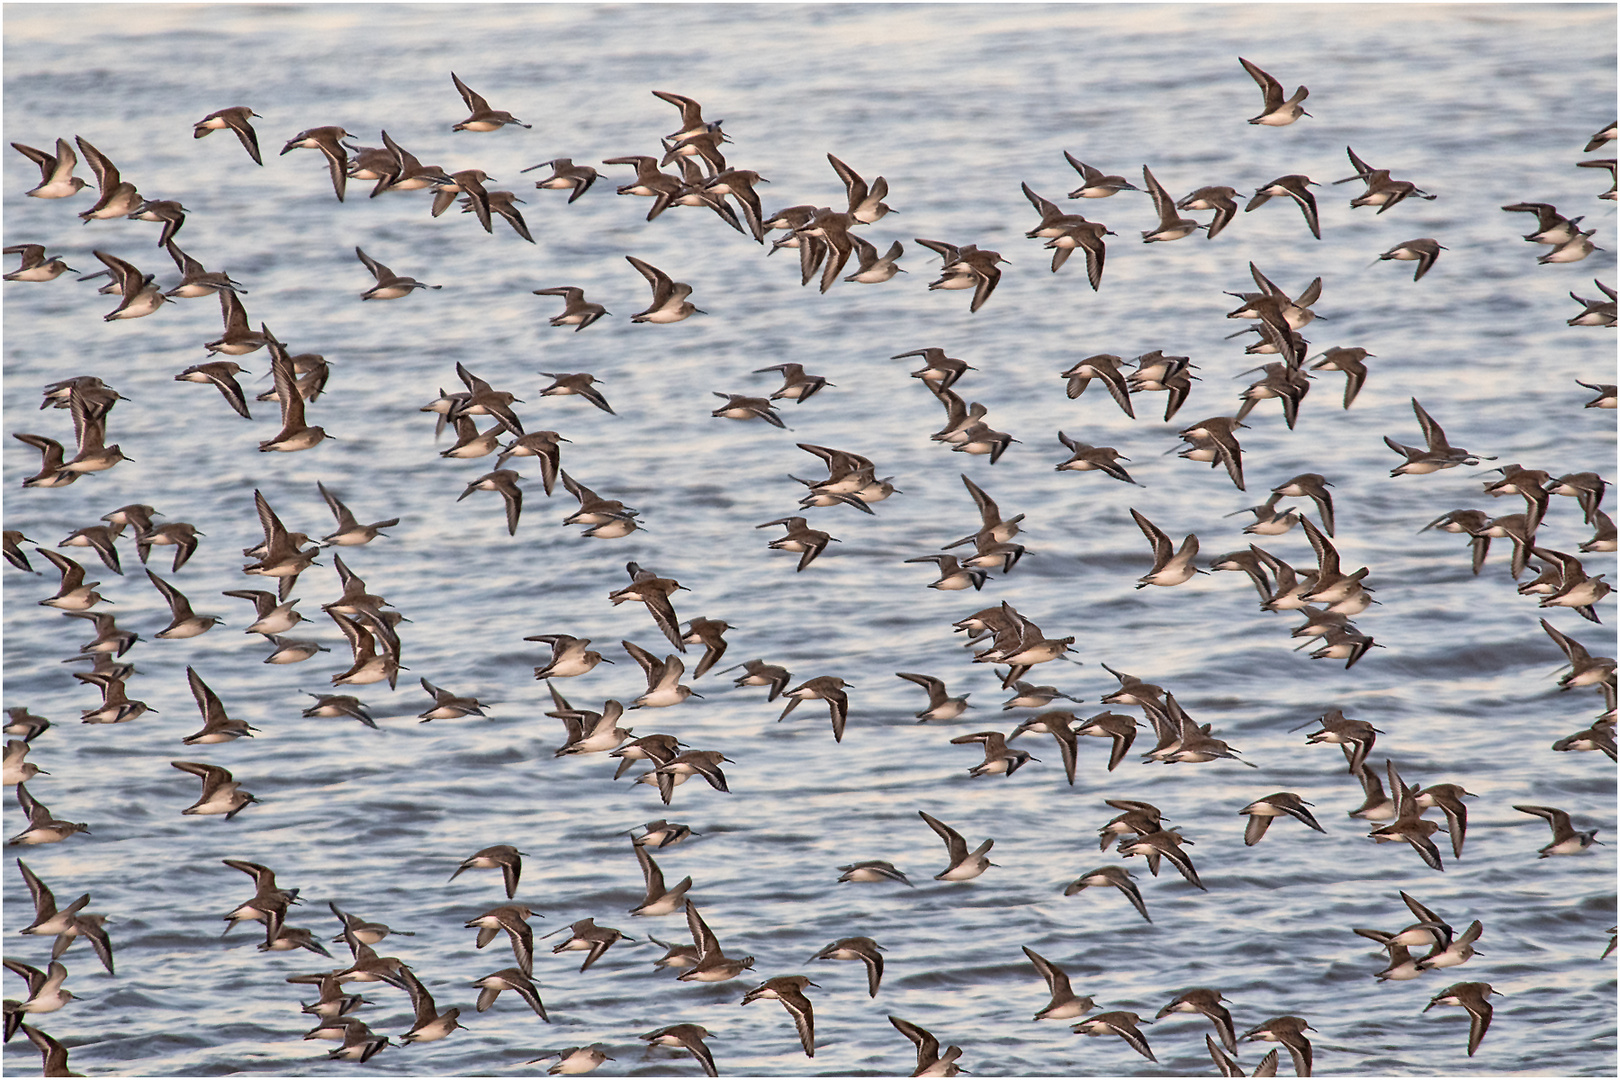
(955, 106)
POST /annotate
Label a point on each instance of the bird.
(45, 992)
(688, 1037)
(676, 771)
(504, 857)
(930, 1060)
(759, 673)
(1104, 366)
(1296, 187)
(865, 201)
(873, 871)
(483, 118)
(808, 543)
(1207, 1002)
(504, 481)
(56, 179)
(1065, 1005)
(220, 794)
(1095, 185)
(1170, 567)
(964, 865)
(1220, 199)
(577, 311)
(658, 900)
(1172, 226)
(1475, 997)
(1566, 839)
(1382, 191)
(1213, 441)
(1123, 1024)
(828, 688)
(565, 175)
(1262, 811)
(490, 987)
(669, 297)
(1290, 1031)
(431, 1025)
(139, 297)
(789, 990)
(1409, 823)
(118, 198)
(35, 266)
(1424, 251)
(863, 949)
(574, 1060)
(55, 1054)
(448, 706)
(390, 286)
(587, 936)
(1438, 454)
(217, 727)
(329, 141)
(998, 759)
(966, 267)
(655, 593)
(941, 706)
(712, 964)
(1276, 112)
(184, 623)
(514, 920)
(236, 119)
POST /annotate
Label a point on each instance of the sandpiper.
(1276, 112)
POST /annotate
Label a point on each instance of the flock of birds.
(825, 239)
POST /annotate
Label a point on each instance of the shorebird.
(930, 1060)
(1475, 997)
(1290, 1031)
(390, 286)
(1566, 839)
(1262, 811)
(688, 1037)
(863, 949)
(513, 919)
(1208, 1003)
(828, 688)
(1065, 1005)
(1122, 1024)
(1172, 226)
(490, 987)
(577, 311)
(1170, 567)
(1424, 251)
(1295, 187)
(669, 297)
(35, 266)
(565, 176)
(220, 793)
(504, 857)
(329, 141)
(1438, 454)
(712, 964)
(964, 865)
(1276, 112)
(236, 119)
(789, 990)
(483, 118)
(1382, 191)
(118, 197)
(56, 179)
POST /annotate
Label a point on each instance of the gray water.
(955, 106)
